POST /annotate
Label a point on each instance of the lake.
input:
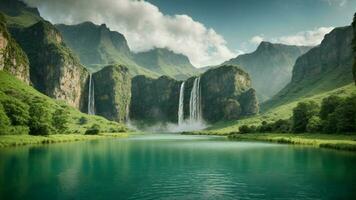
(169, 166)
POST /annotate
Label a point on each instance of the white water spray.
(195, 114)
(91, 100)
(181, 105)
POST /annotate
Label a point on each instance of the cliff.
(54, 70)
(12, 58)
(323, 68)
(112, 93)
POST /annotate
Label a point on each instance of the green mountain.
(98, 46)
(270, 66)
(166, 62)
(323, 68)
(17, 13)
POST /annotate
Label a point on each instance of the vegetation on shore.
(19, 140)
(339, 142)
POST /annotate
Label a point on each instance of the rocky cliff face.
(54, 70)
(12, 57)
(325, 67)
(226, 94)
(112, 93)
(270, 63)
(18, 14)
(154, 100)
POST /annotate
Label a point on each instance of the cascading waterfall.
(195, 114)
(91, 110)
(181, 105)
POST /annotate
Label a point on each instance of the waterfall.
(91, 100)
(181, 104)
(195, 113)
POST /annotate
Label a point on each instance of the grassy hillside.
(13, 90)
(18, 13)
(280, 112)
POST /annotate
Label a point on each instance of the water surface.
(166, 166)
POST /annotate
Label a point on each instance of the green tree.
(346, 115)
(301, 115)
(314, 124)
(282, 126)
(40, 119)
(17, 112)
(4, 121)
(60, 119)
(93, 130)
(328, 106)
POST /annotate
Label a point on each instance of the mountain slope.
(98, 46)
(325, 67)
(270, 66)
(18, 13)
(15, 90)
(164, 61)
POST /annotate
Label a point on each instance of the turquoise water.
(170, 166)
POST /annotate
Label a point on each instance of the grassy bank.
(339, 142)
(281, 112)
(18, 140)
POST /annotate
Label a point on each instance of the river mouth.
(173, 166)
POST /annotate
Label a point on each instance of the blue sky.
(208, 32)
(239, 20)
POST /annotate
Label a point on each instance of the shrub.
(4, 121)
(314, 125)
(93, 130)
(39, 119)
(60, 120)
(83, 120)
(247, 129)
(282, 126)
(17, 112)
(301, 115)
(265, 127)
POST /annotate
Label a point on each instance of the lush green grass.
(340, 142)
(12, 88)
(280, 112)
(17, 140)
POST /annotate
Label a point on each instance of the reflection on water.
(175, 167)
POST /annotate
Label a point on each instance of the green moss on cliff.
(112, 91)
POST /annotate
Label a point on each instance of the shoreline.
(23, 140)
(336, 142)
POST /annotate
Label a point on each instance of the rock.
(154, 100)
(12, 58)
(54, 70)
(112, 93)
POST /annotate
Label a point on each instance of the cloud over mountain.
(143, 25)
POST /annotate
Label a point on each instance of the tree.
(328, 106)
(301, 115)
(346, 115)
(60, 120)
(4, 121)
(314, 124)
(17, 112)
(93, 130)
(282, 126)
(40, 119)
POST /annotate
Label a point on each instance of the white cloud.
(256, 39)
(143, 25)
(306, 38)
(340, 3)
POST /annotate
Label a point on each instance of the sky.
(207, 31)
